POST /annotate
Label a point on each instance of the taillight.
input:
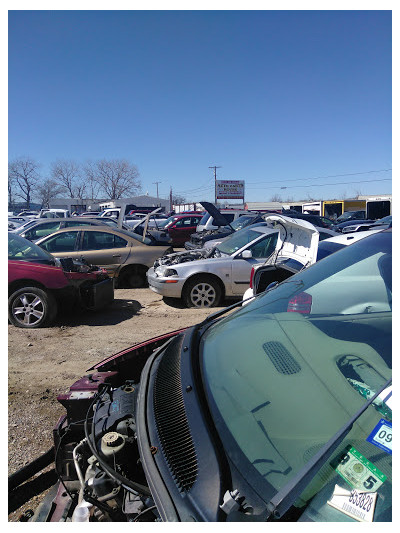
(301, 303)
(251, 277)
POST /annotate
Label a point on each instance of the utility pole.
(215, 183)
(156, 183)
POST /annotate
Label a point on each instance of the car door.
(63, 244)
(241, 268)
(105, 250)
(181, 230)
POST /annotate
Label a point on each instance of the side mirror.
(271, 285)
(247, 254)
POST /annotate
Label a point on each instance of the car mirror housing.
(247, 254)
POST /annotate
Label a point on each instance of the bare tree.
(90, 175)
(178, 199)
(116, 177)
(67, 173)
(311, 198)
(276, 198)
(11, 186)
(24, 172)
(47, 190)
(80, 190)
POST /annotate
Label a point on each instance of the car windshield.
(237, 240)
(21, 229)
(241, 222)
(346, 216)
(284, 373)
(20, 249)
(166, 223)
(384, 220)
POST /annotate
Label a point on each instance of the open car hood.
(297, 239)
(219, 219)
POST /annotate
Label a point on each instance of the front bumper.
(170, 287)
(98, 295)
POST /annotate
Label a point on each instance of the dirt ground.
(42, 363)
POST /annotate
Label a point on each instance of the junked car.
(124, 255)
(39, 285)
(365, 225)
(282, 267)
(177, 228)
(203, 277)
(276, 412)
(225, 227)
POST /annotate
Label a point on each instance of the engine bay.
(97, 455)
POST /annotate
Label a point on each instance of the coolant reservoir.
(82, 512)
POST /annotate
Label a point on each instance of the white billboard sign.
(230, 190)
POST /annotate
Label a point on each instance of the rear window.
(327, 248)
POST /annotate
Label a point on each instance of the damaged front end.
(89, 285)
(184, 257)
(97, 459)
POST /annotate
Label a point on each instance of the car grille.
(171, 421)
(282, 360)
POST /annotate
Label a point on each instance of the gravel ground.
(42, 363)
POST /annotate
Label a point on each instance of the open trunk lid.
(297, 239)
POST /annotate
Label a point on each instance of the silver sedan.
(203, 277)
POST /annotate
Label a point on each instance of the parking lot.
(45, 362)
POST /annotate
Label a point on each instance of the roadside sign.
(230, 189)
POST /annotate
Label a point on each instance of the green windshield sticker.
(358, 472)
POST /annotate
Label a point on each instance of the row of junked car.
(201, 277)
(279, 410)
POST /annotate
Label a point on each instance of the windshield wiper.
(285, 498)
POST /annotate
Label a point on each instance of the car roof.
(105, 228)
(349, 238)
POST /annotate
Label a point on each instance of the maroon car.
(180, 227)
(39, 284)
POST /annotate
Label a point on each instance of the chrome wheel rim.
(28, 309)
(203, 295)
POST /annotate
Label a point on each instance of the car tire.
(202, 291)
(31, 307)
(132, 278)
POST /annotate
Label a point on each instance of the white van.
(54, 213)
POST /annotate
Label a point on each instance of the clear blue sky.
(275, 98)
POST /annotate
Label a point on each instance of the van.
(54, 213)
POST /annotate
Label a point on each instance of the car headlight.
(165, 272)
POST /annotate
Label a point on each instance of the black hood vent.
(171, 421)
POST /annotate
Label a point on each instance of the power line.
(326, 184)
(322, 177)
